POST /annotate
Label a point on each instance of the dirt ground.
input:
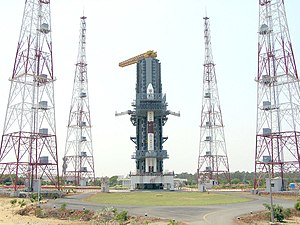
(9, 216)
(260, 218)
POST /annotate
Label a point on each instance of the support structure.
(278, 96)
(213, 161)
(28, 146)
(149, 116)
(78, 161)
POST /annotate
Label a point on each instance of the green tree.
(97, 182)
(191, 178)
(113, 181)
(235, 181)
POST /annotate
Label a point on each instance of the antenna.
(29, 145)
(78, 162)
(278, 97)
(213, 161)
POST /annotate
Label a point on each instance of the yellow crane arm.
(135, 59)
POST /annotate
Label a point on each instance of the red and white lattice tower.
(78, 161)
(278, 96)
(213, 161)
(28, 146)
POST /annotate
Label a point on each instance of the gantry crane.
(149, 116)
(135, 59)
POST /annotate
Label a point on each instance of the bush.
(297, 206)
(287, 213)
(40, 213)
(63, 206)
(34, 197)
(105, 215)
(122, 216)
(173, 222)
(13, 201)
(22, 203)
(279, 212)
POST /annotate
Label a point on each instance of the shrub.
(105, 215)
(40, 213)
(63, 206)
(22, 203)
(173, 222)
(34, 197)
(297, 206)
(279, 212)
(122, 216)
(13, 201)
(287, 213)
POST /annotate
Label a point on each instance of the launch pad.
(152, 182)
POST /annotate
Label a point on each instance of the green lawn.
(165, 198)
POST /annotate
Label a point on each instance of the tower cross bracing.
(78, 161)
(28, 147)
(212, 161)
(278, 96)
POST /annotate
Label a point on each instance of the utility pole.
(78, 162)
(28, 145)
(278, 96)
(213, 161)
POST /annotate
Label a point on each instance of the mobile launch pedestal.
(149, 116)
(164, 181)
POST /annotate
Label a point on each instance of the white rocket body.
(151, 163)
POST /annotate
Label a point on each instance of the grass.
(165, 198)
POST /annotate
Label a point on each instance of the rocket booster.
(150, 130)
(150, 162)
(150, 120)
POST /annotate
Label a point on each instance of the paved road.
(192, 215)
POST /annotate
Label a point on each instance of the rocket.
(150, 162)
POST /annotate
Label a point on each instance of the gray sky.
(120, 29)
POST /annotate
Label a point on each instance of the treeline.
(242, 178)
(237, 178)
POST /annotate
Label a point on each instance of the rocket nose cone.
(150, 89)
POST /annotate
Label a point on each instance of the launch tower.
(278, 97)
(149, 116)
(78, 161)
(213, 161)
(28, 146)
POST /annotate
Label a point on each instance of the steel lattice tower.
(78, 161)
(28, 145)
(278, 97)
(213, 160)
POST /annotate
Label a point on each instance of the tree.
(191, 178)
(235, 181)
(113, 181)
